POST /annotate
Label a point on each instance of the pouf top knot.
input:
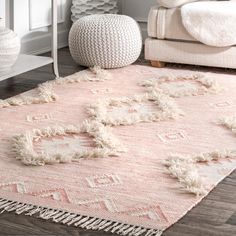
(105, 40)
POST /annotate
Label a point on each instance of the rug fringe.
(72, 219)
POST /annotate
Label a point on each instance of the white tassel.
(84, 222)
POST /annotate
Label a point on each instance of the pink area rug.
(128, 151)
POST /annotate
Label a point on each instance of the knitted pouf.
(108, 41)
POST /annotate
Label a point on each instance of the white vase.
(9, 48)
(1, 22)
(82, 8)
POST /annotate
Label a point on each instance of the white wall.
(5, 6)
(30, 19)
(2, 11)
(138, 9)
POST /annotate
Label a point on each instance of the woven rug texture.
(138, 147)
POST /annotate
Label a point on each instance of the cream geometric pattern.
(99, 204)
(182, 86)
(103, 180)
(105, 144)
(174, 135)
(18, 187)
(153, 213)
(38, 118)
(54, 194)
(222, 104)
(149, 107)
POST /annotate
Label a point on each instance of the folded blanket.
(212, 23)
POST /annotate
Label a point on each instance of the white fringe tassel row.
(46, 93)
(72, 219)
(185, 169)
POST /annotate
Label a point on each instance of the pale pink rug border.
(16, 205)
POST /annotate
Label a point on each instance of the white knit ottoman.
(108, 41)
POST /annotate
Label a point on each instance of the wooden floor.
(214, 216)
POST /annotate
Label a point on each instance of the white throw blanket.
(212, 23)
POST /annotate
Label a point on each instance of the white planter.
(1, 23)
(82, 8)
(9, 48)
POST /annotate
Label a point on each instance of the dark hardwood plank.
(214, 216)
(30, 80)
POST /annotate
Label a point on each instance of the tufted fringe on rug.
(184, 168)
(106, 144)
(76, 220)
(207, 85)
(100, 76)
(166, 109)
(229, 122)
(46, 93)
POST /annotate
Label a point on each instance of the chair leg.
(158, 64)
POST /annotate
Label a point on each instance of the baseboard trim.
(42, 43)
(48, 49)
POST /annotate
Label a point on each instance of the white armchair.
(169, 41)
